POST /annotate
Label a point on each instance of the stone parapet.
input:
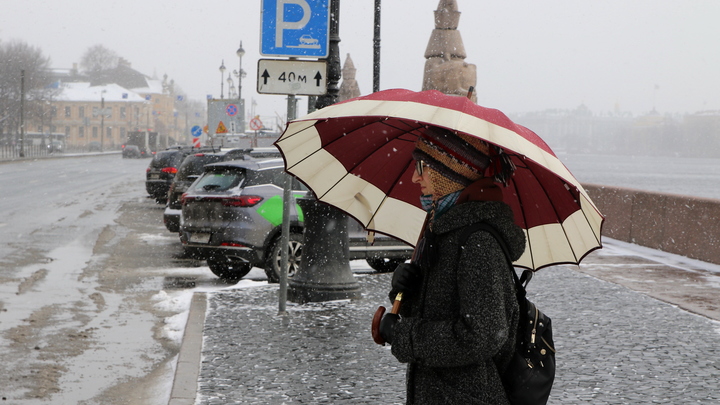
(682, 225)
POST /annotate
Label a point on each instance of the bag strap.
(520, 282)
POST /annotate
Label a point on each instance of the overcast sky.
(530, 54)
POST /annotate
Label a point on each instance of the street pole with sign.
(324, 272)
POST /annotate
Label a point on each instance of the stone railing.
(687, 226)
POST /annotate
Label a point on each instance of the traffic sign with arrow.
(279, 76)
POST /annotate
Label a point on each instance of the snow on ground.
(177, 302)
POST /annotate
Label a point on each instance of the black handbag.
(529, 377)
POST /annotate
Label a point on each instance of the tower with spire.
(445, 66)
(349, 87)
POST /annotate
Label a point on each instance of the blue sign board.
(295, 28)
(196, 131)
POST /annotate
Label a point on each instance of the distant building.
(132, 101)
(77, 112)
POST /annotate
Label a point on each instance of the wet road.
(90, 310)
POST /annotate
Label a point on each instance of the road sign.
(292, 77)
(256, 124)
(196, 131)
(295, 28)
(221, 129)
(221, 110)
(231, 110)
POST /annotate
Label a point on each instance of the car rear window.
(220, 179)
(167, 159)
(194, 165)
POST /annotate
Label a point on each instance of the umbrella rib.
(517, 191)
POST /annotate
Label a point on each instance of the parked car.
(162, 169)
(190, 169)
(131, 151)
(232, 217)
(94, 146)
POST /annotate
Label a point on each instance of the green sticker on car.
(272, 210)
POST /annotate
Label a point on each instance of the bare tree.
(17, 56)
(98, 58)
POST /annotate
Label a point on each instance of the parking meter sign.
(295, 28)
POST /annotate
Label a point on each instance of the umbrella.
(356, 156)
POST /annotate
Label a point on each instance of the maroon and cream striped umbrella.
(356, 156)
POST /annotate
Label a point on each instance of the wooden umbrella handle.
(375, 327)
(396, 304)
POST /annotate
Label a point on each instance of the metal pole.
(22, 113)
(222, 78)
(376, 48)
(324, 273)
(102, 122)
(285, 237)
(334, 66)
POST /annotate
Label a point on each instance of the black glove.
(387, 326)
(406, 277)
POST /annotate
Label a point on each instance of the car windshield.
(220, 179)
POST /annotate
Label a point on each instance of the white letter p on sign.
(289, 25)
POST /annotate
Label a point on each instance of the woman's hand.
(407, 277)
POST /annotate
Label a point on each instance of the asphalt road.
(89, 280)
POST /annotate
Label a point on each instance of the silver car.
(232, 217)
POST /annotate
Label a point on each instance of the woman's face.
(422, 177)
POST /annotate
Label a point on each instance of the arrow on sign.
(265, 76)
(317, 78)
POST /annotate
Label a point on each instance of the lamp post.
(324, 273)
(102, 119)
(222, 78)
(240, 52)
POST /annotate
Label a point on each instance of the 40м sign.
(295, 28)
(308, 78)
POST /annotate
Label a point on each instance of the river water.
(670, 175)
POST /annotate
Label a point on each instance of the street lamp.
(222, 78)
(240, 52)
(231, 86)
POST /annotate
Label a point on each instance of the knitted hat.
(455, 160)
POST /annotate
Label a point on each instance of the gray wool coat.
(460, 327)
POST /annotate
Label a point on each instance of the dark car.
(55, 146)
(162, 169)
(131, 151)
(94, 146)
(192, 167)
(232, 217)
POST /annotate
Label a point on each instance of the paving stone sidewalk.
(615, 346)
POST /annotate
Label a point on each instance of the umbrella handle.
(375, 327)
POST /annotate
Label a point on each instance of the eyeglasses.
(419, 164)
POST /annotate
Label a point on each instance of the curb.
(187, 370)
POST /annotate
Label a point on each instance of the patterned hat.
(458, 159)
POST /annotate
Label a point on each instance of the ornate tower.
(349, 87)
(445, 67)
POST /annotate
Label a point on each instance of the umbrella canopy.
(357, 156)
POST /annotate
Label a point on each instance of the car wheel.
(384, 265)
(228, 269)
(272, 263)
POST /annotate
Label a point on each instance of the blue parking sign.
(295, 28)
